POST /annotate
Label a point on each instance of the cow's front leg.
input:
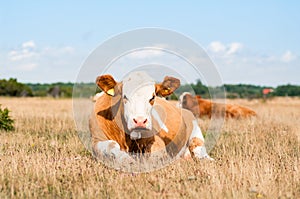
(196, 143)
(111, 149)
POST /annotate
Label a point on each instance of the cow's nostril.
(140, 121)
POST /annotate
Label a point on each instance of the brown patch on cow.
(176, 138)
(157, 145)
(111, 111)
(110, 122)
(195, 142)
(108, 84)
(167, 87)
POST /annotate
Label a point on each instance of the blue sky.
(255, 42)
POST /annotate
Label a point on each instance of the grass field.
(255, 158)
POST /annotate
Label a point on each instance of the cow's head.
(186, 100)
(138, 92)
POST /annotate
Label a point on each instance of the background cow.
(132, 117)
(205, 108)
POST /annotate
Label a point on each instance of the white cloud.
(18, 55)
(29, 44)
(28, 57)
(56, 51)
(288, 56)
(234, 48)
(239, 64)
(216, 47)
(26, 51)
(234, 52)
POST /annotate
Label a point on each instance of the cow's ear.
(107, 84)
(167, 87)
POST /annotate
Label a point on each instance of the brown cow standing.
(205, 108)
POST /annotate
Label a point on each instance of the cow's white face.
(138, 91)
(138, 94)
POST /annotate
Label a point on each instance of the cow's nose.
(140, 122)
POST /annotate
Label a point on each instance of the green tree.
(200, 89)
(12, 87)
(287, 90)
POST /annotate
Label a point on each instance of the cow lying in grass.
(132, 117)
(205, 108)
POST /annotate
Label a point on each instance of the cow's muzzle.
(140, 122)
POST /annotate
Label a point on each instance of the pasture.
(254, 157)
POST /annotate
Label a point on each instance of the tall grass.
(44, 158)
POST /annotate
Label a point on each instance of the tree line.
(12, 87)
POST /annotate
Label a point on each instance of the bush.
(6, 123)
(12, 87)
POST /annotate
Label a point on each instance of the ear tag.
(167, 90)
(111, 92)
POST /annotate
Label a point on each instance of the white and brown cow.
(132, 117)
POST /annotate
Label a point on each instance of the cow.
(132, 117)
(206, 108)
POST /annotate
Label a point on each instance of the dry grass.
(43, 158)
